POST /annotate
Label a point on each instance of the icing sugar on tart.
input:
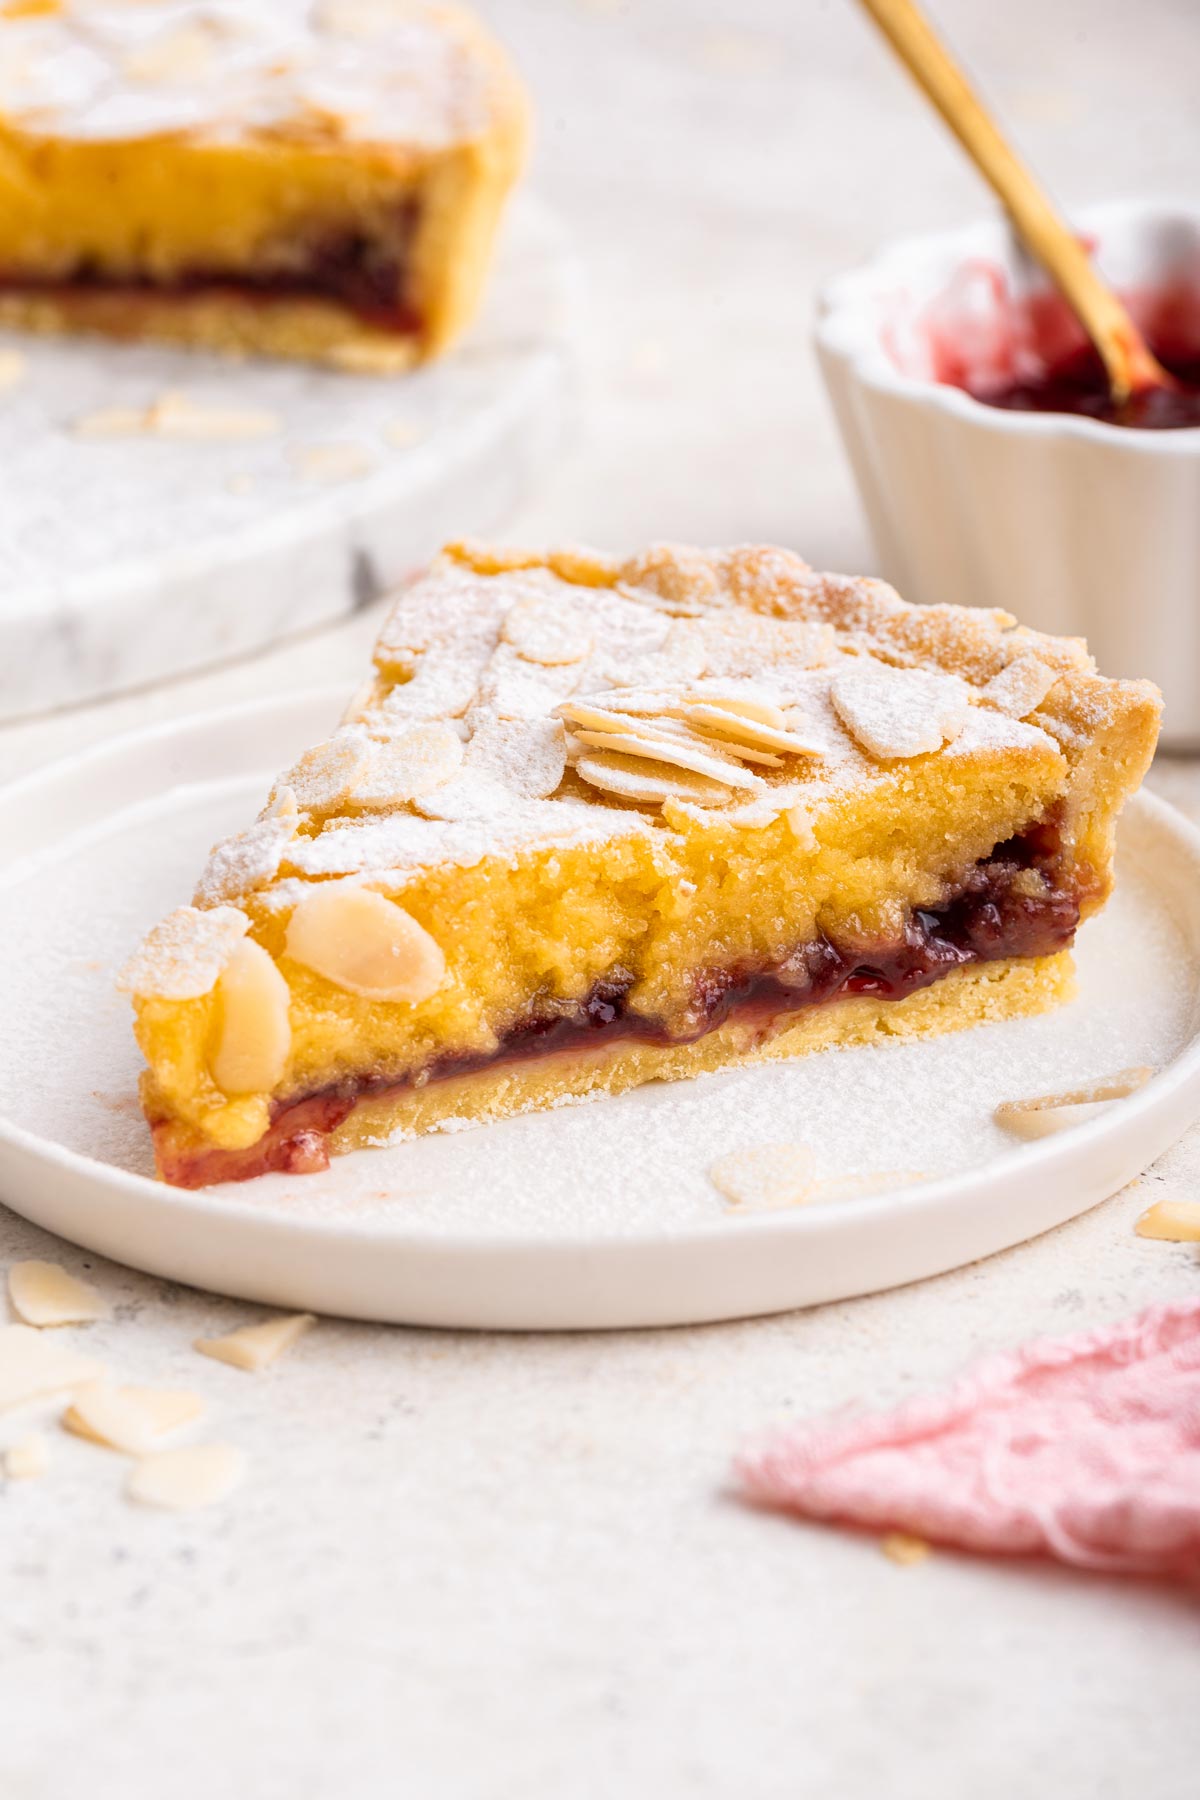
(596, 822)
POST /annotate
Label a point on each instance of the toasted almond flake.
(182, 958)
(470, 795)
(129, 1419)
(33, 1363)
(744, 699)
(404, 767)
(331, 462)
(649, 783)
(1047, 1113)
(1175, 1221)
(255, 1347)
(861, 1187)
(766, 1176)
(1019, 688)
(526, 756)
(254, 1034)
(677, 752)
(12, 369)
(899, 1547)
(193, 1476)
(896, 713)
(740, 731)
(364, 943)
(27, 1459)
(360, 701)
(325, 776)
(546, 631)
(42, 1294)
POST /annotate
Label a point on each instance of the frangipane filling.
(593, 823)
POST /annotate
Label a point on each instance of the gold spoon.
(1129, 363)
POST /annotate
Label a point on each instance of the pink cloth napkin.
(1086, 1448)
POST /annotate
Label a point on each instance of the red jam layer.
(362, 273)
(1079, 385)
(989, 919)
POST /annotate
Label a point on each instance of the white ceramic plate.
(227, 545)
(598, 1215)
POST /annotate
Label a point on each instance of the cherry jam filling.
(366, 273)
(1080, 385)
(997, 912)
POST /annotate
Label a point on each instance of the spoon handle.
(1129, 363)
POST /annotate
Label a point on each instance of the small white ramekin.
(1080, 528)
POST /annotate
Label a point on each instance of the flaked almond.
(903, 1549)
(255, 1347)
(28, 1458)
(677, 751)
(44, 1294)
(1175, 1221)
(648, 783)
(765, 1177)
(1020, 688)
(364, 943)
(182, 958)
(182, 1480)
(129, 1419)
(896, 713)
(739, 732)
(360, 701)
(1047, 1113)
(404, 767)
(33, 1363)
(547, 631)
(243, 864)
(741, 698)
(526, 756)
(325, 776)
(254, 1034)
(12, 369)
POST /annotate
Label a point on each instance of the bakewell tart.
(593, 823)
(318, 179)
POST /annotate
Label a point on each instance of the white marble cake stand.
(126, 559)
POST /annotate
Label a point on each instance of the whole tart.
(593, 822)
(318, 179)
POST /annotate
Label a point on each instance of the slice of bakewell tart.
(594, 823)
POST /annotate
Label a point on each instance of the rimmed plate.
(591, 1216)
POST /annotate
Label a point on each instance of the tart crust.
(638, 820)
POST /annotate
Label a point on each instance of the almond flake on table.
(763, 1177)
(255, 1347)
(183, 1480)
(1173, 1221)
(43, 1294)
(13, 368)
(34, 1363)
(129, 1419)
(1047, 1113)
(897, 713)
(27, 1459)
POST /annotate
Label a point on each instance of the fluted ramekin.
(1081, 528)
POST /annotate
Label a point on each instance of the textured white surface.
(130, 556)
(481, 1568)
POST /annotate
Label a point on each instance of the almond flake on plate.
(182, 958)
(34, 1363)
(1048, 1113)
(255, 1347)
(1174, 1221)
(764, 1177)
(896, 713)
(193, 1476)
(42, 1293)
(130, 1419)
(1020, 687)
(12, 369)
(648, 783)
(27, 1459)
